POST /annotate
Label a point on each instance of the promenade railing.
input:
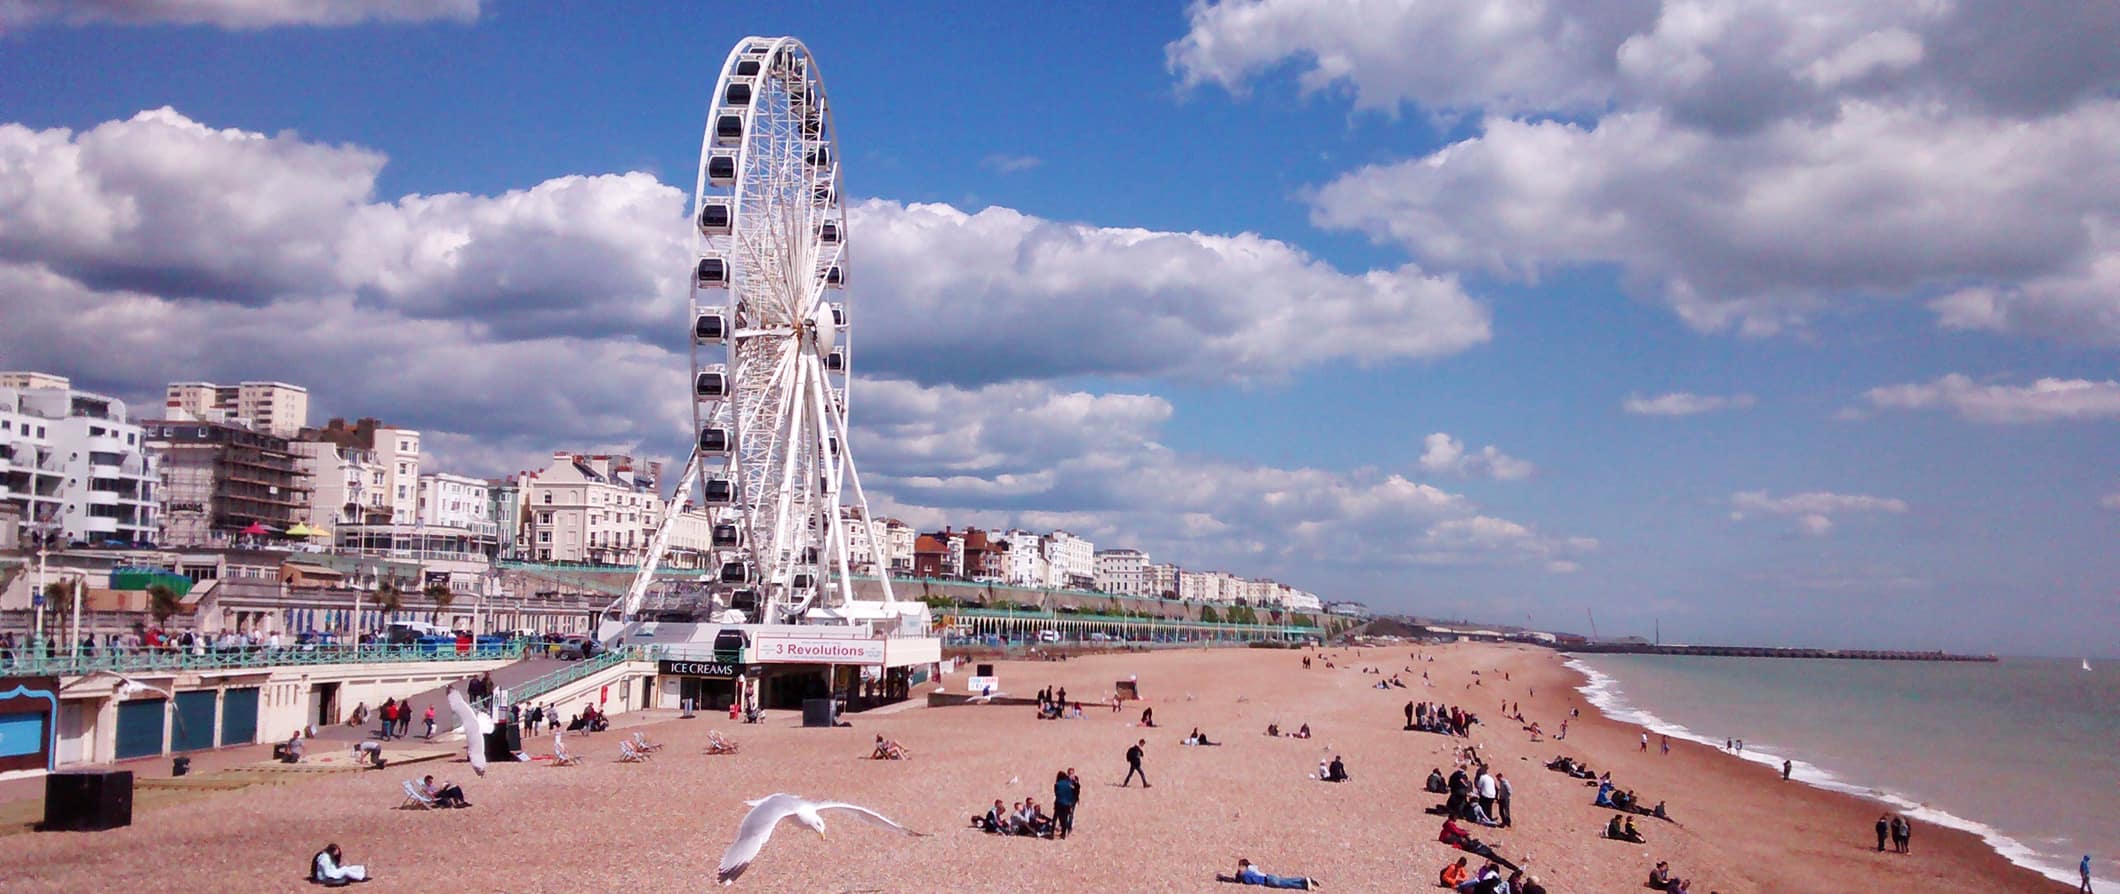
(148, 661)
(536, 686)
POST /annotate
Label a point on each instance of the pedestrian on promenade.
(430, 721)
(1133, 765)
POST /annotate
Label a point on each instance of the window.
(544, 518)
(544, 536)
(404, 447)
(548, 498)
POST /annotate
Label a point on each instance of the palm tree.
(58, 606)
(388, 598)
(163, 601)
(442, 596)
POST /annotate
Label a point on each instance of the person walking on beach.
(2085, 869)
(1645, 741)
(1786, 766)
(1667, 745)
(1902, 832)
(1133, 765)
(1884, 830)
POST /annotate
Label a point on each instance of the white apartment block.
(899, 539)
(1122, 572)
(454, 501)
(863, 539)
(1027, 565)
(1197, 586)
(275, 408)
(597, 509)
(1301, 601)
(73, 465)
(394, 451)
(349, 485)
(1161, 579)
(1073, 559)
(1230, 587)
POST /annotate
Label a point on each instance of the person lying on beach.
(1248, 874)
(1477, 812)
(1198, 738)
(1455, 836)
(1303, 732)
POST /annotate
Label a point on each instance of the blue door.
(140, 727)
(239, 716)
(195, 716)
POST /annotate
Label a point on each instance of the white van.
(1048, 636)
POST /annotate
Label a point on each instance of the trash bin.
(180, 766)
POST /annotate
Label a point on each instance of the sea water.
(2024, 753)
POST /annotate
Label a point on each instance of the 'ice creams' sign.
(817, 650)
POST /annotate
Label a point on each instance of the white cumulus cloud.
(1443, 454)
(2045, 400)
(1684, 403)
(1813, 511)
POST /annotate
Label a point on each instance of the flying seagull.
(987, 698)
(475, 728)
(767, 812)
(128, 687)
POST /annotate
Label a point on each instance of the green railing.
(532, 688)
(164, 660)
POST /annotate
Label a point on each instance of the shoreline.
(1845, 812)
(1600, 690)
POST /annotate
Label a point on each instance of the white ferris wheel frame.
(785, 353)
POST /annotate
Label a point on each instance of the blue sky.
(1871, 232)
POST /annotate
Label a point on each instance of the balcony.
(102, 498)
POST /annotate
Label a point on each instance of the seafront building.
(275, 408)
(72, 464)
(222, 482)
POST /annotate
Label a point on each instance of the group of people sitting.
(1661, 879)
(1625, 800)
(1488, 880)
(889, 750)
(590, 720)
(1053, 705)
(1334, 771)
(1467, 800)
(1302, 732)
(1624, 831)
(1026, 819)
(1435, 718)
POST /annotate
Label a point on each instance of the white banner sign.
(816, 650)
(978, 685)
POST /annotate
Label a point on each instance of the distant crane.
(1593, 622)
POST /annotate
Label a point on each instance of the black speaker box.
(505, 740)
(88, 801)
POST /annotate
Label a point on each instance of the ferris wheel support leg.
(854, 477)
(659, 544)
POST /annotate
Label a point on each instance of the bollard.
(180, 766)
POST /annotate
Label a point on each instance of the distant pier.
(1764, 652)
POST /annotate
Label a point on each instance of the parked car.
(574, 647)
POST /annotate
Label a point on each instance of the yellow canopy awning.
(303, 530)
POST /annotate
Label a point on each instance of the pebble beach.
(661, 826)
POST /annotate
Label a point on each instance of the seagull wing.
(866, 815)
(751, 834)
(474, 740)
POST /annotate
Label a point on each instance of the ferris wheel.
(770, 347)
